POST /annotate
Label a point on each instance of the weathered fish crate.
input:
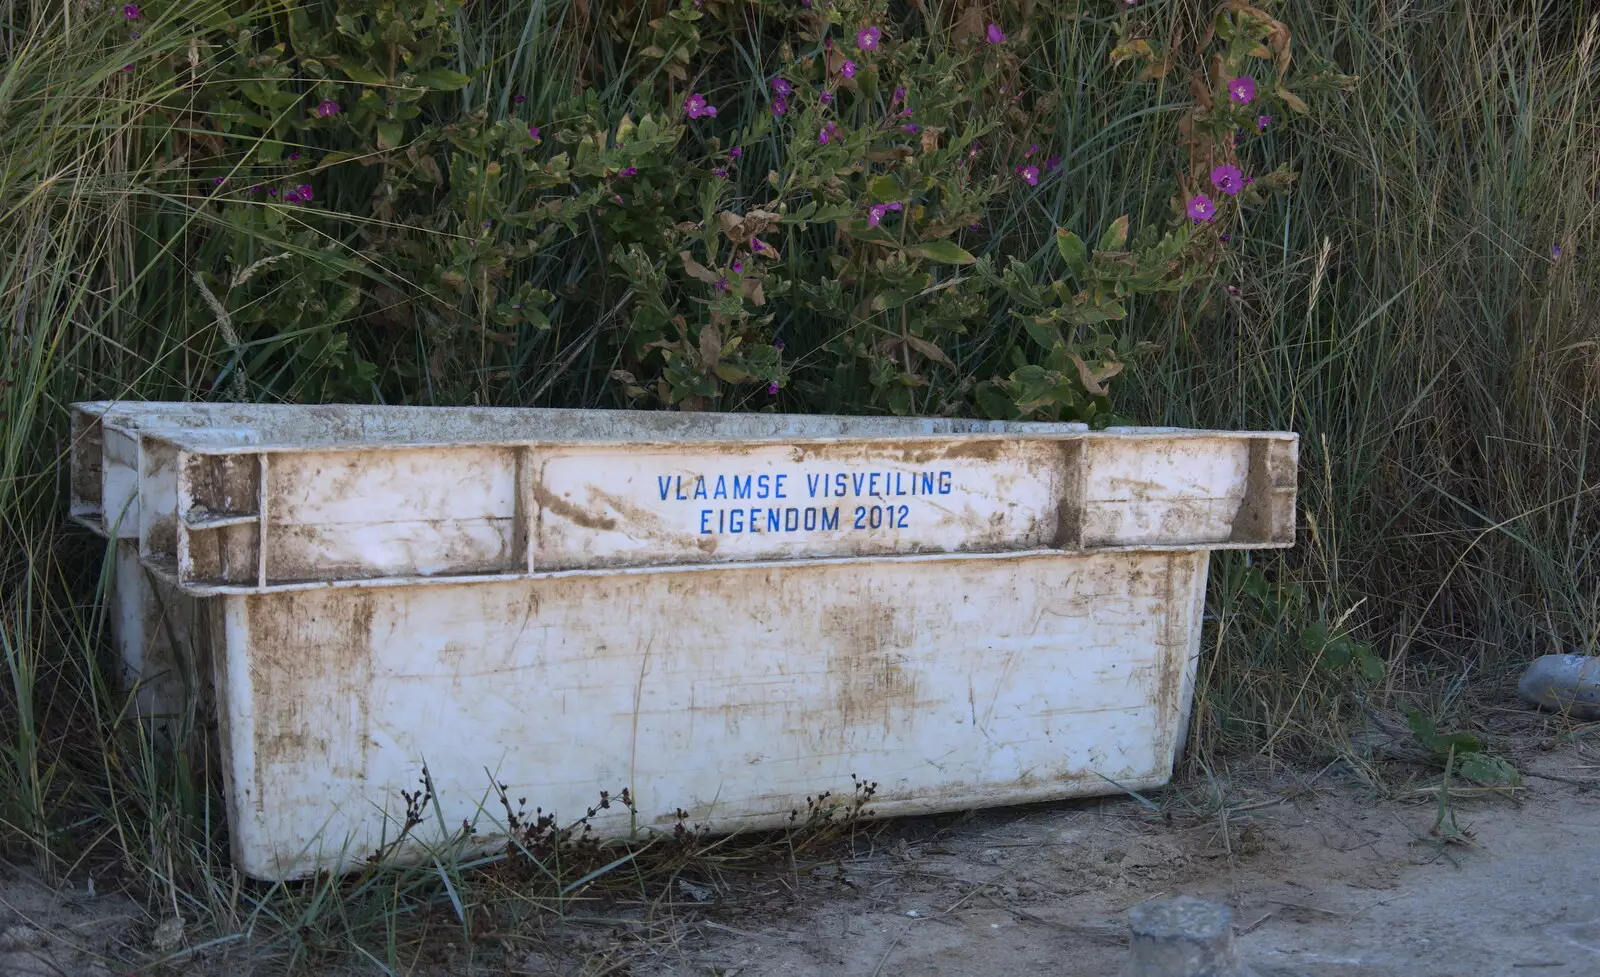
(723, 614)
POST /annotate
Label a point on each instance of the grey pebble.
(1564, 683)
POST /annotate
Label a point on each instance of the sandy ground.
(1324, 878)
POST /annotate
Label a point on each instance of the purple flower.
(867, 38)
(738, 267)
(1242, 90)
(1232, 290)
(698, 108)
(273, 192)
(826, 98)
(1224, 238)
(518, 99)
(895, 206)
(1052, 164)
(772, 389)
(848, 69)
(780, 105)
(912, 128)
(130, 11)
(719, 171)
(782, 87)
(303, 192)
(533, 133)
(255, 189)
(826, 135)
(975, 226)
(294, 156)
(1228, 179)
(996, 35)
(1201, 208)
(219, 180)
(327, 108)
(1262, 121)
(778, 345)
(875, 214)
(1031, 150)
(735, 152)
(1555, 252)
(1029, 174)
(899, 96)
(127, 67)
(721, 284)
(629, 171)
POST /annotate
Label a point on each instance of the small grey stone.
(1182, 937)
(168, 935)
(1564, 683)
(699, 893)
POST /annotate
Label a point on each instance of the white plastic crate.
(721, 613)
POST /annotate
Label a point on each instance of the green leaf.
(1489, 771)
(1116, 236)
(390, 133)
(1073, 251)
(867, 81)
(365, 74)
(873, 235)
(893, 298)
(442, 79)
(1255, 584)
(1336, 654)
(1372, 668)
(944, 252)
(993, 401)
(884, 188)
(1042, 331)
(1441, 744)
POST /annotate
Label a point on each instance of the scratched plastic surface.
(722, 613)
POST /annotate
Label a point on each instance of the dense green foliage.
(717, 205)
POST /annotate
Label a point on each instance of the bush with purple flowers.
(839, 188)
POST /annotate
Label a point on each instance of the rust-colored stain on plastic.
(311, 673)
(570, 512)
